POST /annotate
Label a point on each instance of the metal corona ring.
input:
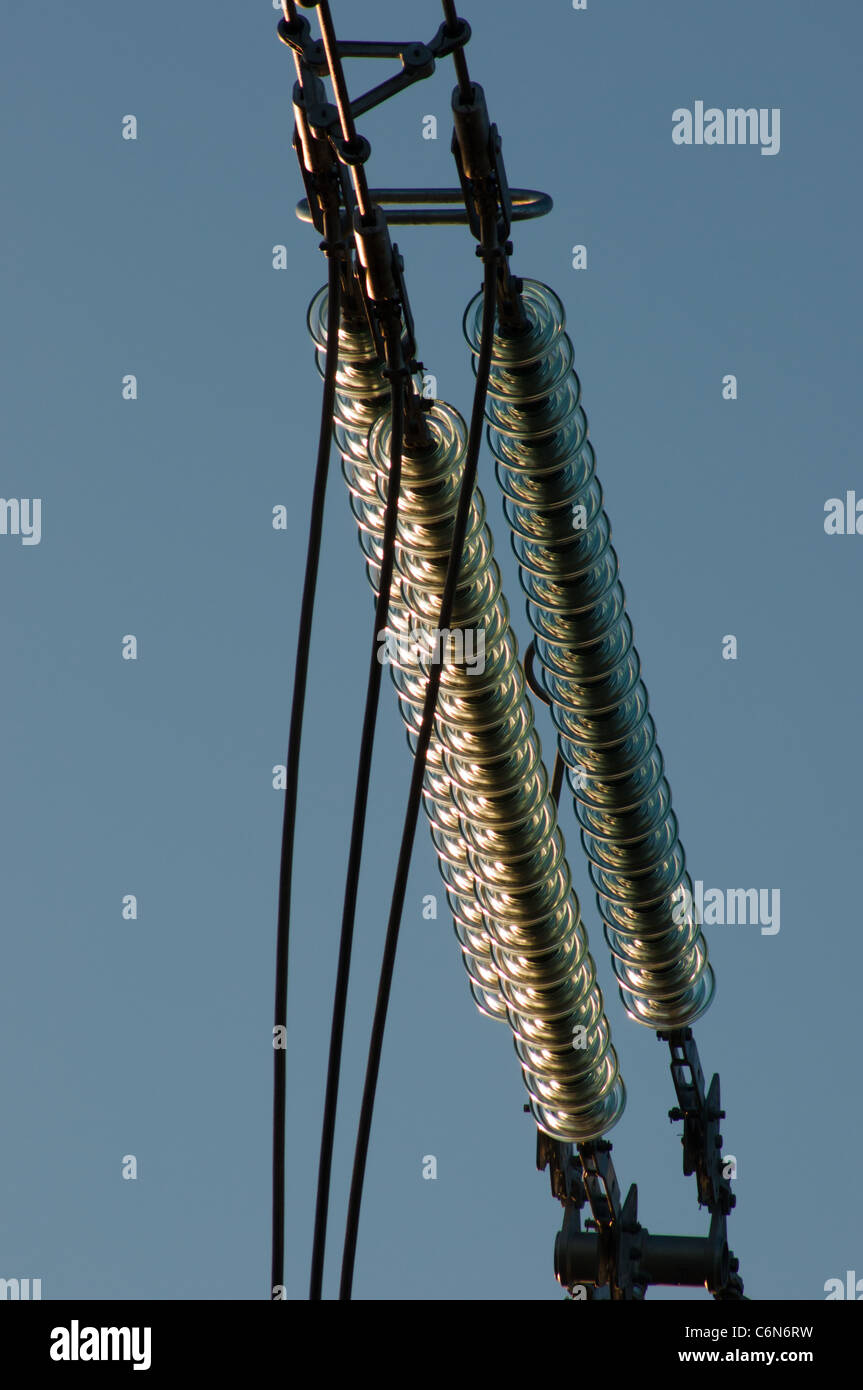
(590, 668)
(494, 822)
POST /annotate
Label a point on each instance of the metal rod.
(346, 120)
(458, 57)
(527, 203)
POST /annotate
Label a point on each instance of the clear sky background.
(154, 257)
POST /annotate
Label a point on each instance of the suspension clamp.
(614, 1257)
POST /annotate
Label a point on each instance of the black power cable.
(292, 770)
(417, 777)
(398, 373)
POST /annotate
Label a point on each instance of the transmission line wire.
(398, 374)
(292, 776)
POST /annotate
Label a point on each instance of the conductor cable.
(399, 375)
(301, 668)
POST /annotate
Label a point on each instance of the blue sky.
(154, 257)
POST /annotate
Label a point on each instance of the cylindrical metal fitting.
(375, 251)
(590, 669)
(494, 822)
(690, 1261)
(472, 132)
